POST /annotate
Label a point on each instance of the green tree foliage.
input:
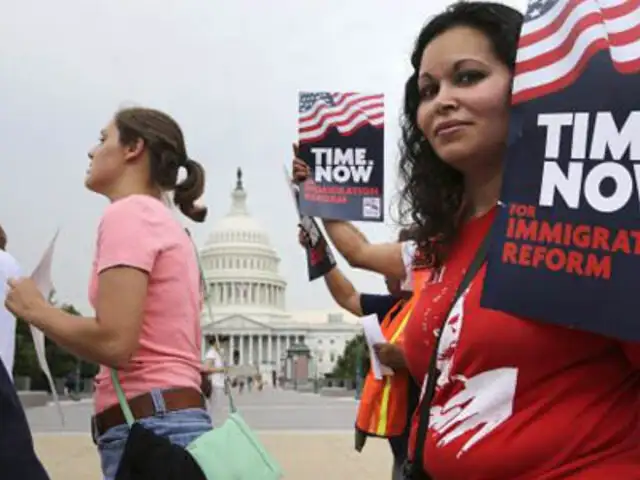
(345, 367)
(25, 363)
(60, 361)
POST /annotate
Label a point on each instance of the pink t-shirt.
(140, 231)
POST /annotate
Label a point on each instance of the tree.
(26, 362)
(345, 367)
(60, 361)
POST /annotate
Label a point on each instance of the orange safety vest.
(382, 411)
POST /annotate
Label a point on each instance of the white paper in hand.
(373, 334)
(42, 277)
(293, 188)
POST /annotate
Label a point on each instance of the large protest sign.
(566, 245)
(320, 259)
(341, 138)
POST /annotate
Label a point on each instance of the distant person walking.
(72, 385)
(214, 366)
(9, 268)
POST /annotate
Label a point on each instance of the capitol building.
(248, 298)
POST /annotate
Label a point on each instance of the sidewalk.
(303, 456)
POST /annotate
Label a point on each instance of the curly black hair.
(432, 192)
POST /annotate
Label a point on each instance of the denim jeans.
(180, 427)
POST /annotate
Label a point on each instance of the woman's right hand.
(303, 238)
(300, 169)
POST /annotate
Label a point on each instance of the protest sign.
(320, 259)
(341, 138)
(566, 242)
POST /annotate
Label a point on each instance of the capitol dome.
(240, 265)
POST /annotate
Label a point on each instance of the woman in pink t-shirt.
(145, 286)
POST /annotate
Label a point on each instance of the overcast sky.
(229, 72)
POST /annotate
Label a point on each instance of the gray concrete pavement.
(311, 436)
(265, 410)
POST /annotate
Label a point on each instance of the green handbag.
(229, 452)
(232, 451)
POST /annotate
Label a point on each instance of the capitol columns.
(232, 348)
(278, 349)
(265, 352)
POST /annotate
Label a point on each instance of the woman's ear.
(134, 150)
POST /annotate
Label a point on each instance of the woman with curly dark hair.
(514, 398)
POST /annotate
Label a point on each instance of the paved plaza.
(310, 435)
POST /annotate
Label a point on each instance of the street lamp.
(316, 381)
(78, 375)
(359, 375)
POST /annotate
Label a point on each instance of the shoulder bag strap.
(122, 399)
(432, 377)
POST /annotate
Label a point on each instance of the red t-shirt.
(519, 399)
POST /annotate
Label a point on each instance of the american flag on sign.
(559, 37)
(345, 111)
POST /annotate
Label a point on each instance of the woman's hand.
(301, 170)
(390, 355)
(303, 238)
(24, 299)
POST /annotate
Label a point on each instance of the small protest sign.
(341, 138)
(320, 259)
